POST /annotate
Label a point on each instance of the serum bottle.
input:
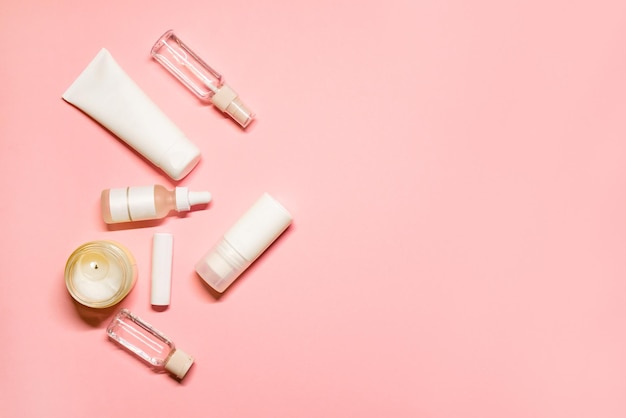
(149, 344)
(129, 204)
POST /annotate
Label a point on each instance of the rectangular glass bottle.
(148, 344)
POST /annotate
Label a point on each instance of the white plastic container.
(106, 93)
(244, 242)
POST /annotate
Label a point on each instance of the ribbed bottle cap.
(179, 363)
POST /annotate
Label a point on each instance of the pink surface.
(457, 175)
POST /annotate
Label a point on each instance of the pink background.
(457, 175)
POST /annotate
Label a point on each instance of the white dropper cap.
(186, 199)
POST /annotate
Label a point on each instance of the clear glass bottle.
(99, 274)
(148, 344)
(199, 77)
(129, 204)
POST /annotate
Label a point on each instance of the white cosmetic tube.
(106, 93)
(243, 243)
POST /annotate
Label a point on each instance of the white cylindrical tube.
(162, 248)
(206, 83)
(244, 242)
(106, 93)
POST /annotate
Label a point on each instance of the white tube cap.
(244, 242)
(180, 158)
(161, 285)
(179, 363)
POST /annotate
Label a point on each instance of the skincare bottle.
(100, 274)
(200, 78)
(147, 343)
(243, 243)
(129, 204)
(106, 92)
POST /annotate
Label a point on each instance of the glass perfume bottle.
(200, 78)
(148, 344)
(129, 204)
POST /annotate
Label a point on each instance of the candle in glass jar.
(100, 274)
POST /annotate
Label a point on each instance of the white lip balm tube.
(161, 283)
(106, 93)
(244, 242)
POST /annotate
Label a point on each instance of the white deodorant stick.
(243, 243)
(162, 249)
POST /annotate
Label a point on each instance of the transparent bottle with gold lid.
(149, 344)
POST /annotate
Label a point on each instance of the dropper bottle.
(129, 204)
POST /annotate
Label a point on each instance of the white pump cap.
(227, 100)
(179, 363)
(186, 199)
(161, 285)
(244, 242)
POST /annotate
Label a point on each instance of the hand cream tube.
(106, 93)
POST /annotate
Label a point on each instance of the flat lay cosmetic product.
(99, 274)
(129, 204)
(148, 344)
(161, 283)
(200, 78)
(106, 93)
(244, 242)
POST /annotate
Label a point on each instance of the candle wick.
(94, 265)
